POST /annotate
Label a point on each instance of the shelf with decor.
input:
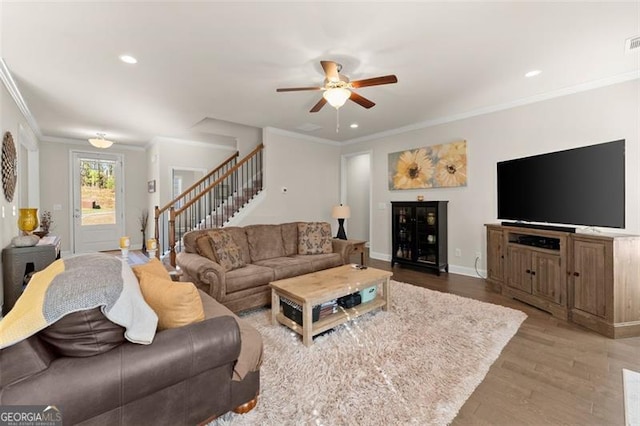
(419, 234)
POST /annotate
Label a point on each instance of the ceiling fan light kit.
(337, 96)
(338, 88)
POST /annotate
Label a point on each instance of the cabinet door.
(519, 268)
(589, 277)
(403, 223)
(495, 255)
(547, 279)
(427, 234)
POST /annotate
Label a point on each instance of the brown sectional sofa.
(271, 252)
(186, 376)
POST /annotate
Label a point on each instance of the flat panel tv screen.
(581, 186)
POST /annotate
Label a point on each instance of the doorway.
(98, 210)
(356, 193)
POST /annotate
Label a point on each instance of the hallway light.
(100, 141)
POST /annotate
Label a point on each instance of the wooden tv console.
(589, 279)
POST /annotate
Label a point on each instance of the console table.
(588, 279)
(18, 263)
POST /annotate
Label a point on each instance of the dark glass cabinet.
(419, 234)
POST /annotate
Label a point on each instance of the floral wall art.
(433, 166)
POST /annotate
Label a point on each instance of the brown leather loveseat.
(186, 376)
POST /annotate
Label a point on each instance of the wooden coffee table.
(318, 287)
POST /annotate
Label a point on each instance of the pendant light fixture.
(100, 141)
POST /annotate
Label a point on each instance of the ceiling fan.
(337, 87)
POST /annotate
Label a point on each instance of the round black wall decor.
(9, 166)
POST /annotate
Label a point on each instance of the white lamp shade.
(341, 212)
(336, 97)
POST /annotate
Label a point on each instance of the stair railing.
(211, 206)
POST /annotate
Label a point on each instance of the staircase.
(209, 203)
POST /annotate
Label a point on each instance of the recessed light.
(354, 125)
(532, 73)
(128, 59)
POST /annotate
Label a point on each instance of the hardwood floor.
(551, 372)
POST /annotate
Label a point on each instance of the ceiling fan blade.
(330, 70)
(361, 100)
(376, 81)
(296, 89)
(317, 107)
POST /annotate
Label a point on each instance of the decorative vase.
(144, 242)
(28, 220)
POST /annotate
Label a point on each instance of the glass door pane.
(403, 219)
(427, 234)
(97, 192)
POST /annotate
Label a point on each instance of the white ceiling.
(224, 61)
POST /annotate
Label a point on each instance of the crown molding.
(186, 142)
(289, 133)
(12, 88)
(84, 143)
(596, 84)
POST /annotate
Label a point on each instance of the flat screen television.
(581, 186)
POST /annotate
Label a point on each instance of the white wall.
(12, 120)
(308, 169)
(586, 118)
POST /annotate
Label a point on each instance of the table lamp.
(341, 213)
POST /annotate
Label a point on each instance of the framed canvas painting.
(435, 166)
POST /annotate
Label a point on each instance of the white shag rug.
(415, 364)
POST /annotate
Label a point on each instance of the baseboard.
(380, 256)
(470, 272)
(453, 269)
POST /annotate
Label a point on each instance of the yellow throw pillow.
(176, 303)
(154, 267)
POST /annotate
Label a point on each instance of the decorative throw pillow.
(265, 242)
(153, 266)
(204, 248)
(314, 238)
(84, 333)
(176, 303)
(227, 252)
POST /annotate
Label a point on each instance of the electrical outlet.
(478, 255)
(458, 252)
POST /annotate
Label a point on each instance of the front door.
(97, 201)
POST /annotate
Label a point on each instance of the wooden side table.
(358, 247)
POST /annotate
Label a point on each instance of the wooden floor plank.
(552, 372)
